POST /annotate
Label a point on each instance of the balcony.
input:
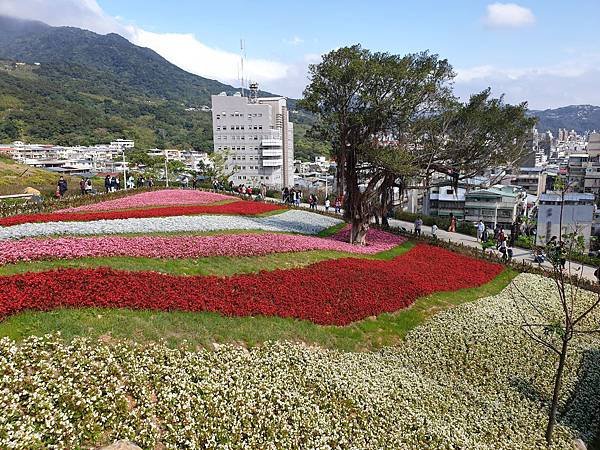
(272, 162)
(272, 152)
(272, 143)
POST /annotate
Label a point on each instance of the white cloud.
(574, 81)
(295, 41)
(187, 52)
(508, 15)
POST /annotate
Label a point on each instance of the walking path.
(519, 254)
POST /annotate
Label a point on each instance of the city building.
(496, 205)
(577, 216)
(446, 200)
(256, 137)
(576, 170)
(531, 179)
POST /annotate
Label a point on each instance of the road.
(519, 254)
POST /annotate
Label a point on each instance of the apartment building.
(499, 205)
(257, 138)
(531, 179)
(577, 216)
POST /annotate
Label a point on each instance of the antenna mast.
(242, 60)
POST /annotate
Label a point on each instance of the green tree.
(360, 98)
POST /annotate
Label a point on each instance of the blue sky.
(546, 52)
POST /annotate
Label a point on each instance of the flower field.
(33, 249)
(335, 292)
(468, 378)
(165, 197)
(243, 208)
(293, 221)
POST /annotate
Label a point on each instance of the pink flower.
(183, 246)
(165, 197)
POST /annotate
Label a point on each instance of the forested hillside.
(70, 86)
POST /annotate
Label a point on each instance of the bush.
(443, 223)
(524, 241)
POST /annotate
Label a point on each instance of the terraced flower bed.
(165, 197)
(256, 244)
(293, 221)
(464, 377)
(468, 378)
(335, 292)
(242, 208)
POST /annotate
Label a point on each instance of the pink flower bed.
(167, 197)
(182, 246)
(375, 238)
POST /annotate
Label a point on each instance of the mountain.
(70, 86)
(580, 118)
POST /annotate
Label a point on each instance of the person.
(285, 193)
(501, 239)
(514, 231)
(117, 183)
(497, 230)
(185, 182)
(485, 235)
(311, 201)
(597, 274)
(131, 182)
(418, 224)
(107, 183)
(88, 186)
(434, 230)
(539, 256)
(338, 206)
(62, 186)
(327, 203)
(452, 227)
(150, 183)
(480, 230)
(503, 250)
(82, 186)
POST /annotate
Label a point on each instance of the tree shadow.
(581, 411)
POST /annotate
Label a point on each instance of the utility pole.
(167, 168)
(124, 172)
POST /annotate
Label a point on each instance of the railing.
(272, 162)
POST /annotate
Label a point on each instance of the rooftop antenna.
(253, 92)
(242, 60)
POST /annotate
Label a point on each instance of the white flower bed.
(294, 221)
(466, 379)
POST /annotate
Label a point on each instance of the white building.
(257, 138)
(577, 217)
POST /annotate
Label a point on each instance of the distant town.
(255, 137)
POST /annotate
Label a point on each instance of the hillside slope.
(15, 177)
(580, 118)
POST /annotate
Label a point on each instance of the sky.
(545, 52)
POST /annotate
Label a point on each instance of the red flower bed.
(335, 292)
(241, 208)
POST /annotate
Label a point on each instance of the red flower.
(241, 208)
(335, 292)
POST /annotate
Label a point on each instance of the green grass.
(214, 265)
(202, 329)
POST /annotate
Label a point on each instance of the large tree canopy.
(393, 119)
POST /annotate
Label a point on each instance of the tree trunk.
(358, 235)
(557, 386)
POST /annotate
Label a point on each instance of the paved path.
(519, 254)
